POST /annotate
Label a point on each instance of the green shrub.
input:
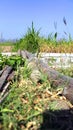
(30, 41)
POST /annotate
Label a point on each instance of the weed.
(30, 41)
(25, 103)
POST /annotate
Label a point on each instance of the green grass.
(22, 104)
(6, 44)
(34, 42)
(23, 107)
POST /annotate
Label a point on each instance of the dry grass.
(6, 48)
(66, 48)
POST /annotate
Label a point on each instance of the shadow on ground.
(57, 120)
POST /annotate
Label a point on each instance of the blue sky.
(17, 15)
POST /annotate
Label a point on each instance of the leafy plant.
(13, 61)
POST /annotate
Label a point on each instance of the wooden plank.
(4, 76)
